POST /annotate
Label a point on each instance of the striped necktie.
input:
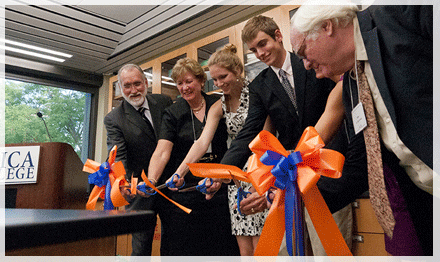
(289, 89)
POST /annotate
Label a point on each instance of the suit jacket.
(399, 44)
(267, 97)
(126, 129)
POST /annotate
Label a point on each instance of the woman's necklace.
(233, 104)
(196, 110)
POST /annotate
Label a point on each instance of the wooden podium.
(61, 183)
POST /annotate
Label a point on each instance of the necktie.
(141, 111)
(289, 89)
(378, 194)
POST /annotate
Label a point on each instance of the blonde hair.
(257, 24)
(228, 59)
(185, 65)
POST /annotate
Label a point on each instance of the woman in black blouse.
(206, 230)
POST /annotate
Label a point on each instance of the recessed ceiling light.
(30, 53)
(45, 50)
(169, 83)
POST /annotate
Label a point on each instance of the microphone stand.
(40, 115)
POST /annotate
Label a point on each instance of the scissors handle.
(202, 187)
(271, 190)
(146, 189)
(241, 194)
(172, 184)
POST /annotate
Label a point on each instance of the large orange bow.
(316, 161)
(107, 177)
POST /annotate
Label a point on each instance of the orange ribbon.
(316, 162)
(220, 171)
(116, 177)
(134, 182)
(145, 178)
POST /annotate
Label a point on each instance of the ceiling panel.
(125, 14)
(153, 26)
(38, 18)
(89, 17)
(59, 42)
(190, 31)
(102, 38)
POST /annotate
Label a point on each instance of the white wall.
(101, 134)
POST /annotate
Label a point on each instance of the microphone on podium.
(40, 115)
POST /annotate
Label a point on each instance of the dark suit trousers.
(142, 241)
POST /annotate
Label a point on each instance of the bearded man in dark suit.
(133, 127)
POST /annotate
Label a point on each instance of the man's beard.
(135, 101)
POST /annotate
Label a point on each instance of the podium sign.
(19, 165)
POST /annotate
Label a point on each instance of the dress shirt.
(287, 67)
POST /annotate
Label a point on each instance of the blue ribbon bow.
(101, 178)
(286, 172)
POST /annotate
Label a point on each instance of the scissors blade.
(236, 182)
(158, 187)
(161, 186)
(188, 189)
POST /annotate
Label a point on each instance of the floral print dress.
(250, 225)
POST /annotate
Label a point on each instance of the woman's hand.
(177, 180)
(253, 203)
(211, 188)
(142, 193)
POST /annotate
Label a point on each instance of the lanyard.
(194, 129)
(357, 83)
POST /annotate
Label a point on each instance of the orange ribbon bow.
(114, 174)
(316, 162)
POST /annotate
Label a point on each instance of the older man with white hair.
(133, 127)
(386, 53)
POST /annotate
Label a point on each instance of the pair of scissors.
(270, 190)
(201, 188)
(149, 191)
(241, 194)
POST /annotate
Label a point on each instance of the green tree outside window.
(63, 111)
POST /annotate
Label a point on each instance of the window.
(252, 66)
(36, 113)
(149, 75)
(169, 88)
(203, 54)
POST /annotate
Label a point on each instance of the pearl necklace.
(196, 110)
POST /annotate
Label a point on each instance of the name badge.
(359, 119)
